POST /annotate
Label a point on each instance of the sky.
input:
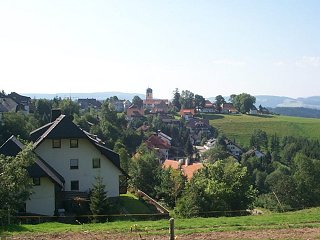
(213, 47)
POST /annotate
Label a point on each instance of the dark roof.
(19, 98)
(63, 127)
(36, 134)
(197, 122)
(38, 169)
(11, 147)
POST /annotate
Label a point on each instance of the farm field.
(303, 224)
(240, 126)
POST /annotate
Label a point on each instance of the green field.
(299, 219)
(240, 126)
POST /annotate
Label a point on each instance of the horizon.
(210, 47)
(59, 94)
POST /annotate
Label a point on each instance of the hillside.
(240, 127)
(297, 112)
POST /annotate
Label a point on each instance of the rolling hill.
(239, 127)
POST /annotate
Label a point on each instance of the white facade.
(59, 159)
(42, 200)
(234, 149)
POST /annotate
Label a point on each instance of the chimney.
(55, 113)
(187, 161)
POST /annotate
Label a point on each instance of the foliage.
(199, 102)
(144, 171)
(259, 139)
(219, 101)
(176, 100)
(17, 124)
(243, 102)
(187, 99)
(98, 198)
(216, 153)
(15, 183)
(172, 183)
(222, 186)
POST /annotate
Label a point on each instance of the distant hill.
(96, 95)
(275, 101)
(297, 112)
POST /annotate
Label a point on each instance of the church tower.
(149, 94)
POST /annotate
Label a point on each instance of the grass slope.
(299, 219)
(240, 127)
(133, 205)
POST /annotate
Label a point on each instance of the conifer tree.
(98, 199)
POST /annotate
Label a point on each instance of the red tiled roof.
(186, 111)
(188, 170)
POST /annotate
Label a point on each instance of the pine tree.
(98, 199)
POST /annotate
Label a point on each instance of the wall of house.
(59, 159)
(42, 200)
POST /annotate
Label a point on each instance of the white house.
(234, 149)
(68, 161)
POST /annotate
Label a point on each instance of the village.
(61, 174)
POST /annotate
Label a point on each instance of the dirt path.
(294, 233)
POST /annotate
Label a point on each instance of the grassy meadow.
(299, 219)
(240, 126)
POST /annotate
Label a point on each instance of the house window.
(74, 164)
(73, 143)
(36, 181)
(56, 143)
(74, 185)
(96, 162)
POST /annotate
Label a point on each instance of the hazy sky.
(209, 47)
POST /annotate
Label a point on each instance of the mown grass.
(240, 127)
(133, 205)
(299, 219)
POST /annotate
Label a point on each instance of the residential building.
(118, 105)
(209, 107)
(228, 108)
(86, 103)
(233, 148)
(198, 128)
(24, 102)
(161, 143)
(7, 104)
(134, 112)
(68, 162)
(187, 113)
(255, 153)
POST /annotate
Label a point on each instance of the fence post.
(171, 229)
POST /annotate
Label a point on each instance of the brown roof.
(155, 141)
(155, 101)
